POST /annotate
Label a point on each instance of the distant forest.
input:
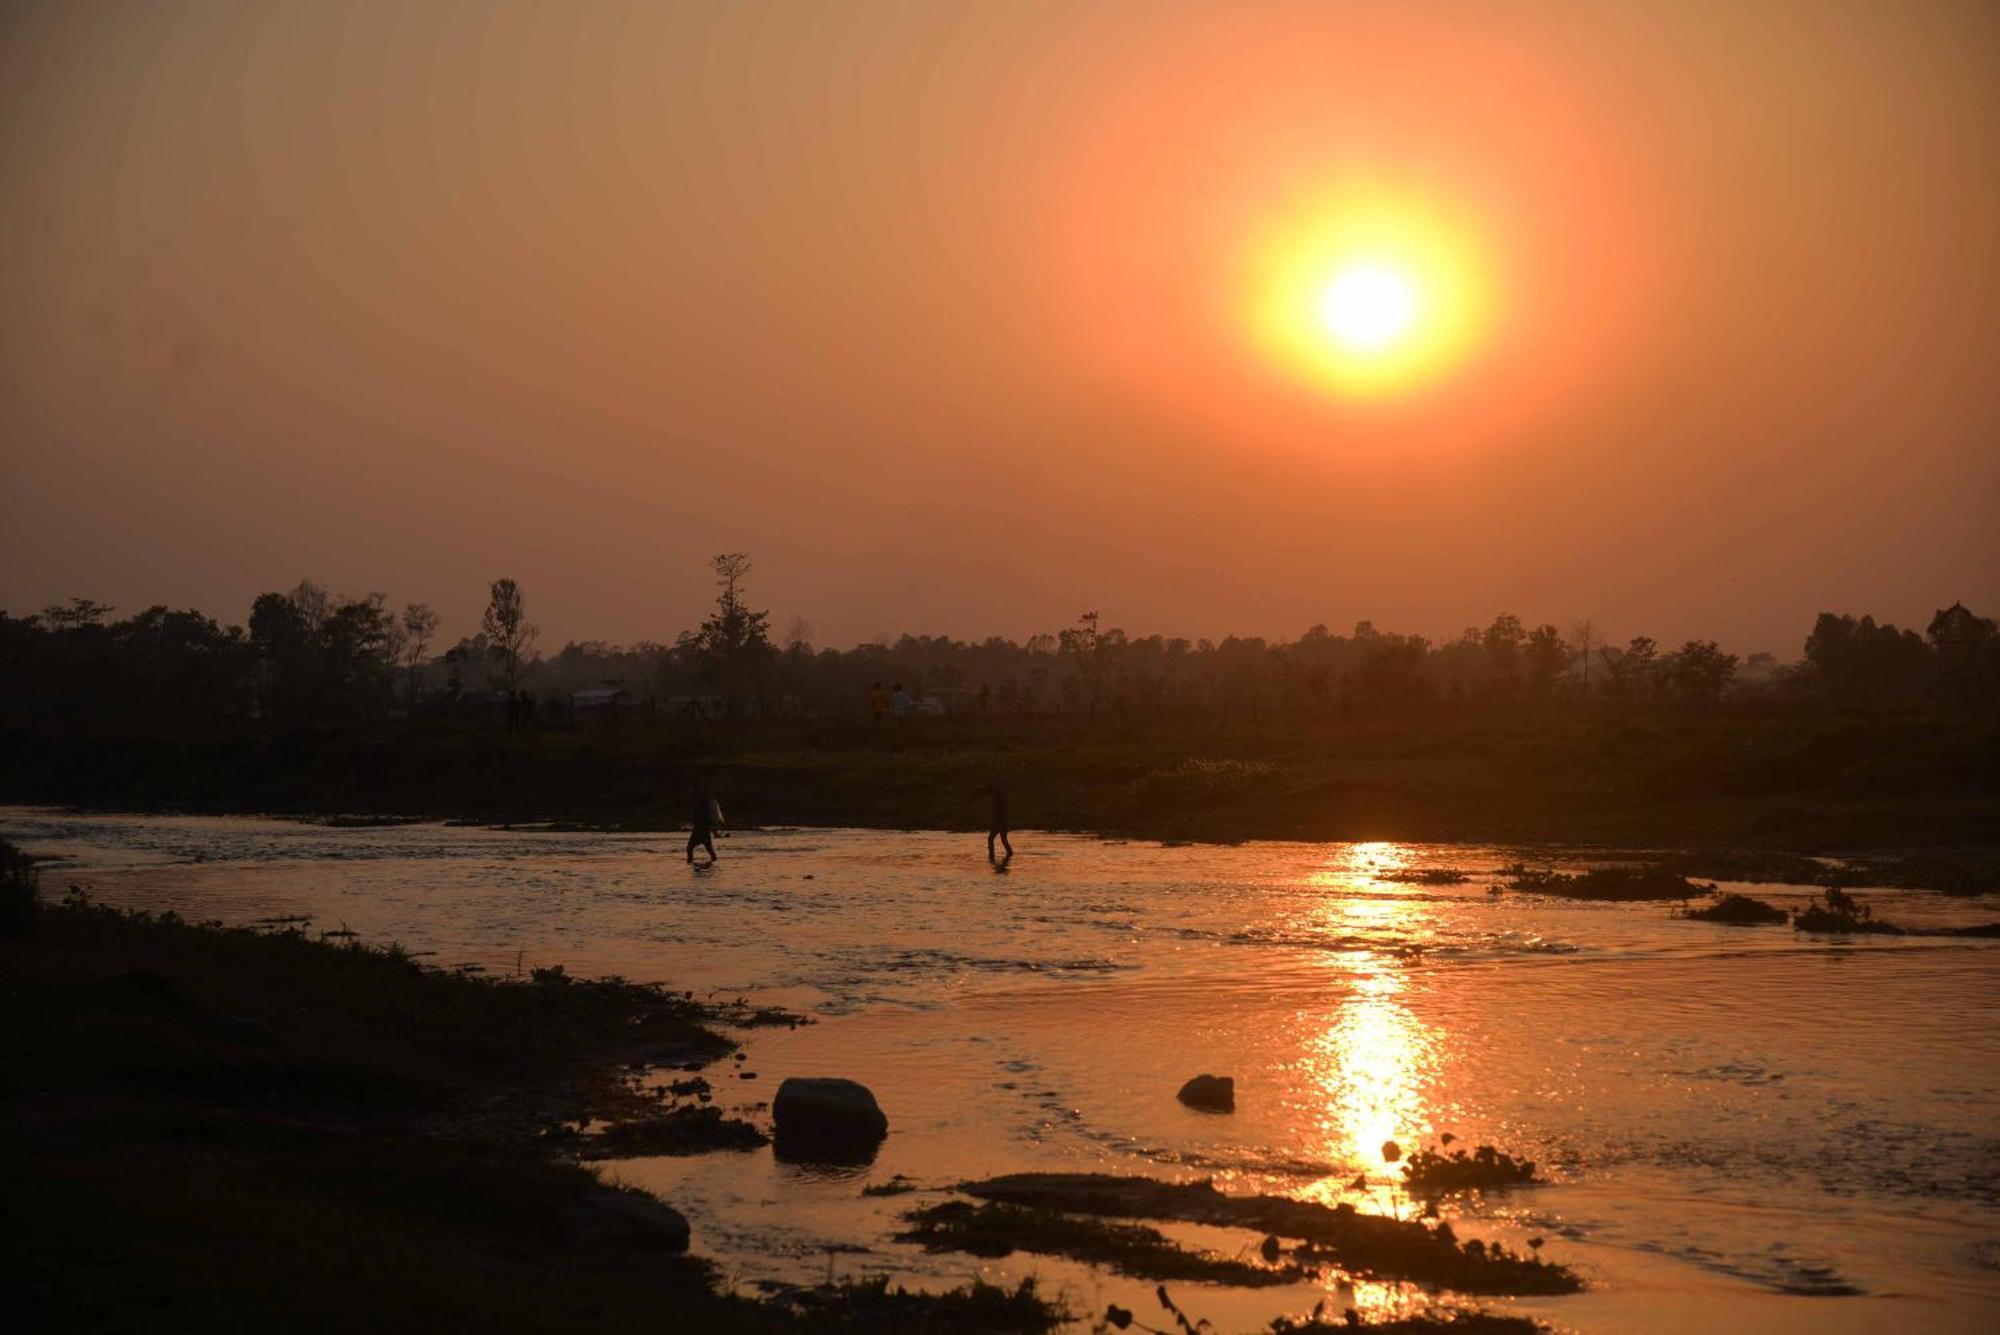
(310, 660)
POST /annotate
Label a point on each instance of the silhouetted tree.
(1583, 638)
(1859, 664)
(1547, 656)
(733, 646)
(1631, 672)
(418, 626)
(508, 632)
(1699, 672)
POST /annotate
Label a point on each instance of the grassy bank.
(232, 1130)
(1744, 780)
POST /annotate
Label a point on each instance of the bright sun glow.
(1368, 291)
(1368, 307)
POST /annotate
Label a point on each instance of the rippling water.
(1740, 1122)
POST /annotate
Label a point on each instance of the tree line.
(306, 659)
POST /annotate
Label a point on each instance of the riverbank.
(1792, 782)
(213, 1129)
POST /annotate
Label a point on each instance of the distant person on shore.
(878, 704)
(996, 825)
(900, 702)
(703, 817)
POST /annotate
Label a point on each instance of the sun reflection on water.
(1371, 1069)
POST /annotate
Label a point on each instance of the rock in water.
(826, 1118)
(1210, 1093)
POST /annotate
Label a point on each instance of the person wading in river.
(996, 826)
(703, 817)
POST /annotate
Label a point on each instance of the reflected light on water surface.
(1373, 1063)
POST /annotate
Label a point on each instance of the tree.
(1699, 672)
(75, 614)
(1859, 664)
(733, 645)
(1583, 637)
(1632, 670)
(1502, 643)
(1547, 656)
(507, 629)
(1083, 646)
(418, 625)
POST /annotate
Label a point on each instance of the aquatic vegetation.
(1426, 1323)
(1362, 1244)
(895, 1186)
(1424, 876)
(1607, 883)
(690, 1129)
(1738, 911)
(1841, 913)
(870, 1305)
(1764, 866)
(1948, 871)
(996, 1229)
(1441, 1171)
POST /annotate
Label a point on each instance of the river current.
(1743, 1127)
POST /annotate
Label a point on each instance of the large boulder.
(827, 1118)
(1210, 1093)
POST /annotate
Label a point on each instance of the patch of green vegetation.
(1622, 884)
(997, 1229)
(1737, 911)
(1425, 876)
(1370, 1245)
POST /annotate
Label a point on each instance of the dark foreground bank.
(1809, 782)
(233, 1130)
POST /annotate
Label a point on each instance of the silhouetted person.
(900, 702)
(701, 824)
(878, 703)
(985, 699)
(996, 826)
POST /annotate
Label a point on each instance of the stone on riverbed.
(1210, 1093)
(824, 1117)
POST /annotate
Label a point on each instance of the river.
(1743, 1127)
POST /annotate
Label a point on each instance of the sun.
(1368, 290)
(1369, 306)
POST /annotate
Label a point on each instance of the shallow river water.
(1744, 1127)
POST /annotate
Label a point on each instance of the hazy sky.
(937, 309)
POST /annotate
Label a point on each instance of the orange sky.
(937, 310)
